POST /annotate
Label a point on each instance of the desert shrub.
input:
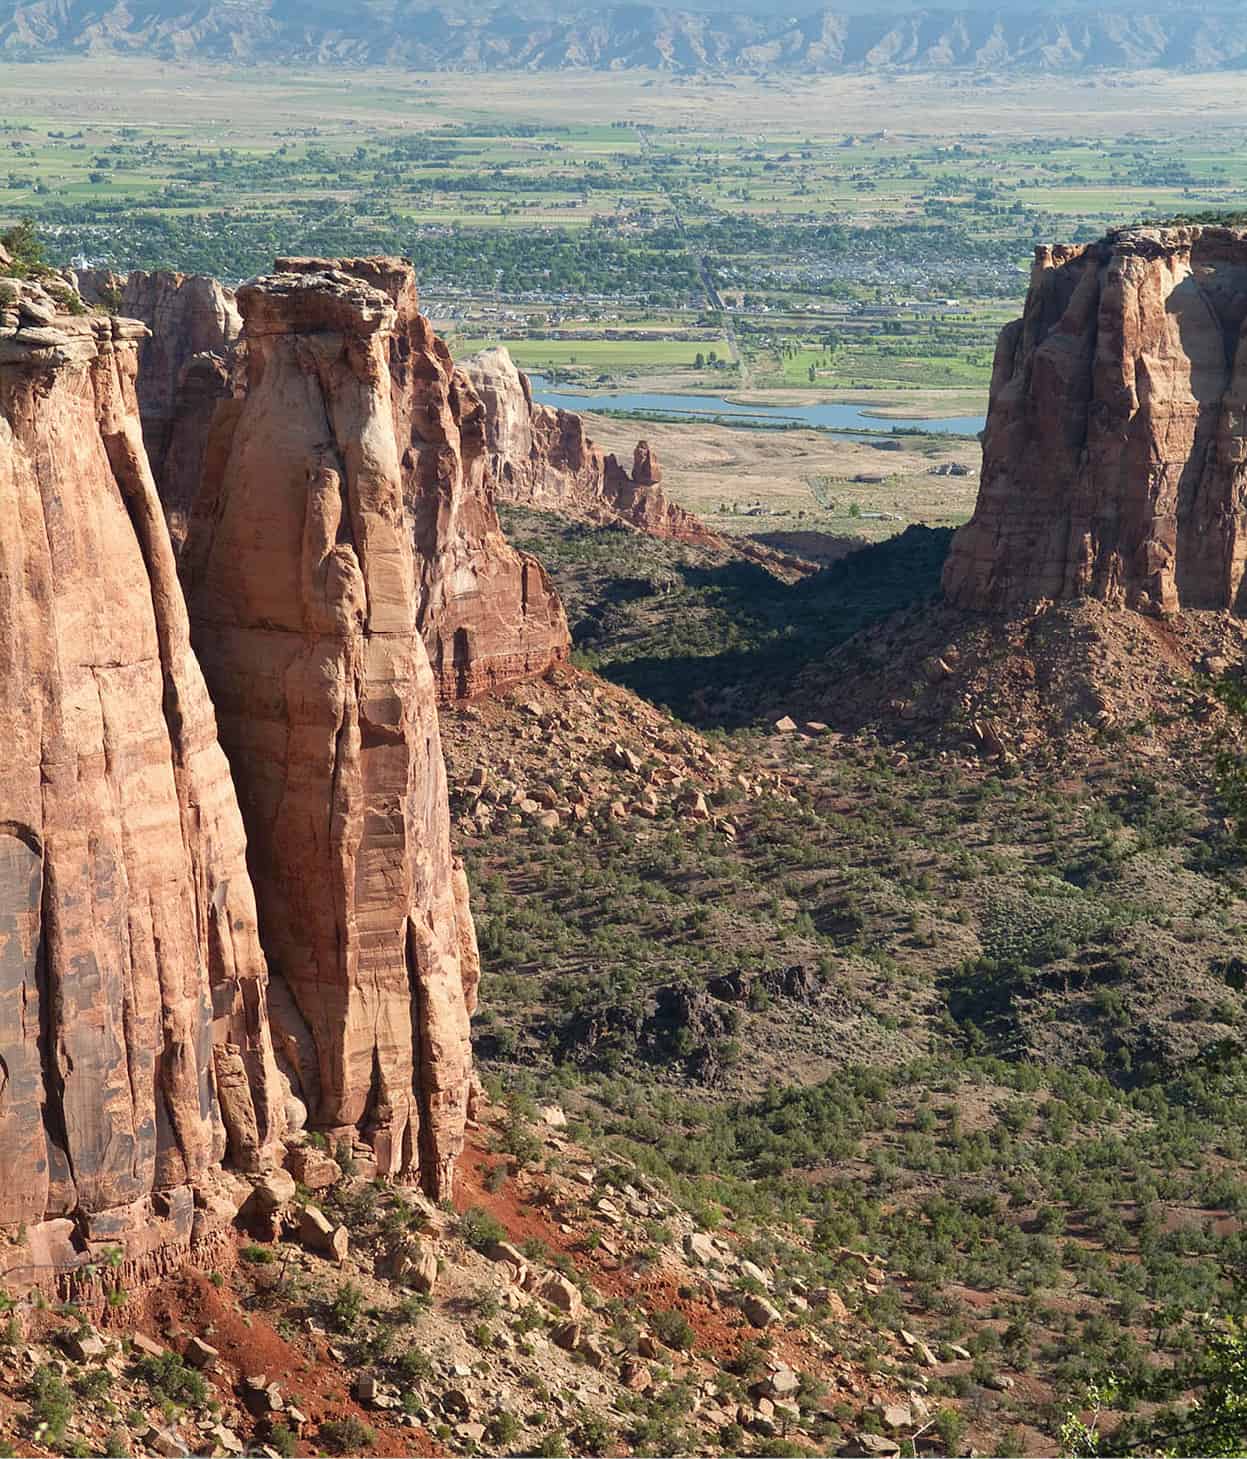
(346, 1307)
(674, 1329)
(51, 1403)
(503, 1431)
(950, 1426)
(284, 1440)
(170, 1378)
(346, 1436)
(479, 1229)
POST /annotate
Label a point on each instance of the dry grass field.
(259, 100)
(709, 466)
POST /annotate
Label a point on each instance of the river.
(700, 407)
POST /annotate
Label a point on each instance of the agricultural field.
(842, 234)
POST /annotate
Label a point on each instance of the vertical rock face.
(305, 602)
(489, 614)
(544, 459)
(194, 323)
(1115, 455)
(134, 1044)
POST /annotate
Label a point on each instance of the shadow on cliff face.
(723, 645)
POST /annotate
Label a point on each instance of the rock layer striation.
(488, 613)
(545, 459)
(1115, 453)
(305, 603)
(135, 1053)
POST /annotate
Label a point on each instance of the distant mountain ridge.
(406, 33)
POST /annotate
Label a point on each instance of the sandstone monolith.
(304, 599)
(488, 613)
(1115, 454)
(193, 324)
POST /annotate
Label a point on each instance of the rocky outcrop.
(544, 459)
(304, 596)
(489, 614)
(135, 1053)
(1115, 454)
(193, 323)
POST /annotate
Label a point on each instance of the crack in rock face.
(305, 601)
(129, 945)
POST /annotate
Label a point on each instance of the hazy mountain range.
(530, 35)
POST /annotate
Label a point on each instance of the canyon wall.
(193, 324)
(135, 1053)
(544, 459)
(1116, 441)
(488, 613)
(305, 601)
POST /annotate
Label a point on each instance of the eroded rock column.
(304, 603)
(134, 1045)
(489, 614)
(1115, 454)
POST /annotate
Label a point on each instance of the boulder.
(700, 1248)
(829, 1302)
(503, 1251)
(636, 1377)
(86, 1345)
(422, 1272)
(318, 1233)
(313, 1168)
(872, 1446)
(200, 1354)
(225, 1441)
(272, 1192)
(759, 1311)
(167, 1443)
(755, 1273)
(559, 1292)
(896, 1416)
(693, 807)
(782, 1383)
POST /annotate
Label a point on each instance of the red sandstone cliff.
(488, 613)
(1114, 455)
(193, 322)
(134, 1044)
(305, 603)
(544, 459)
